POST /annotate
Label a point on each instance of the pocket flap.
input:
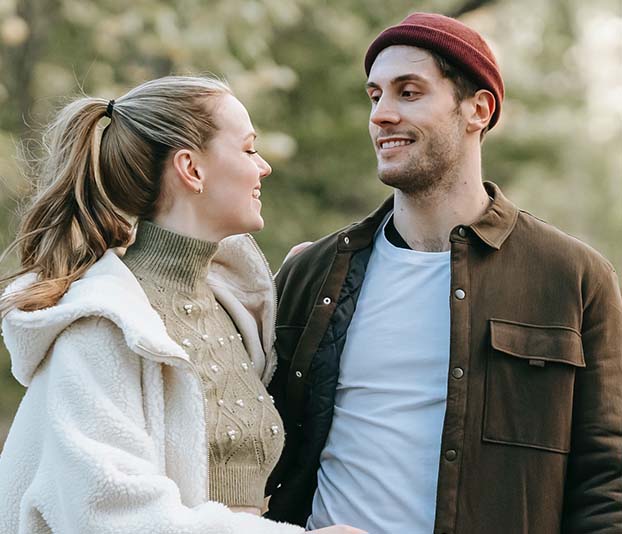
(537, 343)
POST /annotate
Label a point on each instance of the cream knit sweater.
(244, 431)
(110, 437)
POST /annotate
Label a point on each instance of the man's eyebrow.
(411, 77)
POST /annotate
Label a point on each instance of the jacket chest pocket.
(529, 385)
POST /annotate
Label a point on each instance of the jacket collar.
(360, 235)
(497, 223)
(493, 228)
(239, 278)
(108, 289)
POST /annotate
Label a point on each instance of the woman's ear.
(481, 107)
(188, 170)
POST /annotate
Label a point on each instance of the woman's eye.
(251, 152)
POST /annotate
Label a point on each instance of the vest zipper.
(196, 374)
(274, 291)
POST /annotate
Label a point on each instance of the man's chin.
(409, 183)
(393, 177)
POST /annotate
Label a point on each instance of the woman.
(146, 408)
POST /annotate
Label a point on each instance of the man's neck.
(426, 221)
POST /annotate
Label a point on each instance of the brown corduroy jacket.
(532, 436)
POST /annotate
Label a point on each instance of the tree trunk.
(467, 6)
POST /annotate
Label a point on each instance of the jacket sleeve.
(98, 469)
(593, 502)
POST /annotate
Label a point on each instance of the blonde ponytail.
(95, 180)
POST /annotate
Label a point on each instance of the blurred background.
(298, 67)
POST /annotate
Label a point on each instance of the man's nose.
(384, 112)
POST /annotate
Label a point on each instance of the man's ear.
(186, 165)
(480, 109)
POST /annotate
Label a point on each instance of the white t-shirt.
(379, 467)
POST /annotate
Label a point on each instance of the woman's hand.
(296, 249)
(338, 529)
(245, 510)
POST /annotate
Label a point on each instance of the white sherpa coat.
(110, 436)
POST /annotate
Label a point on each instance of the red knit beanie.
(451, 39)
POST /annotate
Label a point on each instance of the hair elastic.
(109, 109)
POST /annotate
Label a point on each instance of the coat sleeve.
(98, 469)
(593, 493)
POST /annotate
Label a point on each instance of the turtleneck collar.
(176, 260)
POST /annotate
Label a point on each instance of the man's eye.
(374, 98)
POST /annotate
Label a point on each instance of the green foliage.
(297, 65)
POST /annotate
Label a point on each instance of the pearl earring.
(199, 190)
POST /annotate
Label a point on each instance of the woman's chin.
(259, 225)
(255, 224)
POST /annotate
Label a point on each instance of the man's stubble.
(433, 166)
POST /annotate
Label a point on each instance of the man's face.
(415, 123)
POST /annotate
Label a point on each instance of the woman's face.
(232, 171)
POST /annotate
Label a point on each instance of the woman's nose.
(264, 167)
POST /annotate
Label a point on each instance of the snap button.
(298, 374)
(451, 455)
(327, 300)
(462, 231)
(460, 294)
(457, 372)
(346, 240)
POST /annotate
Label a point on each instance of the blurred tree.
(297, 65)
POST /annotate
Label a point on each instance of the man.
(451, 364)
